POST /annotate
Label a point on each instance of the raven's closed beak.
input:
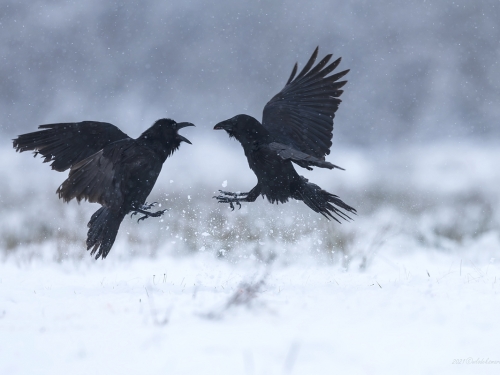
(224, 125)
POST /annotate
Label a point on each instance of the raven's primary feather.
(301, 115)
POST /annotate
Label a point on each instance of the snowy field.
(409, 287)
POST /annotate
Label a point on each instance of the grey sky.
(419, 70)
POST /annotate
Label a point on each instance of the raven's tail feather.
(322, 201)
(103, 227)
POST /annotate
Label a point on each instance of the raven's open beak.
(181, 125)
(182, 139)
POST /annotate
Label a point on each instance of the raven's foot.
(231, 198)
(146, 206)
(144, 210)
(150, 214)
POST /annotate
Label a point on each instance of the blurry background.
(419, 70)
(417, 130)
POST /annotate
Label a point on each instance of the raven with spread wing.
(296, 127)
(106, 167)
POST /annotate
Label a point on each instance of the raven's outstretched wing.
(304, 160)
(301, 115)
(66, 144)
(96, 178)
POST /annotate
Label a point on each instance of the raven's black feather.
(296, 127)
(106, 167)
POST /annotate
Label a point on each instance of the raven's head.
(169, 129)
(164, 136)
(244, 128)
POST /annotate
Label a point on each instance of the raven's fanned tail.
(103, 227)
(321, 201)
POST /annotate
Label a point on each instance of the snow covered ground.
(413, 314)
(410, 286)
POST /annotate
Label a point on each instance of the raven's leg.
(148, 206)
(231, 198)
(232, 194)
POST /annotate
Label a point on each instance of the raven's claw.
(230, 198)
(152, 214)
(146, 206)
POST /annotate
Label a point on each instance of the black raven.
(106, 167)
(296, 127)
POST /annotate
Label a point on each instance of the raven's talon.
(133, 213)
(142, 218)
(231, 201)
(159, 213)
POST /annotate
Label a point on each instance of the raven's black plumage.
(106, 167)
(297, 126)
